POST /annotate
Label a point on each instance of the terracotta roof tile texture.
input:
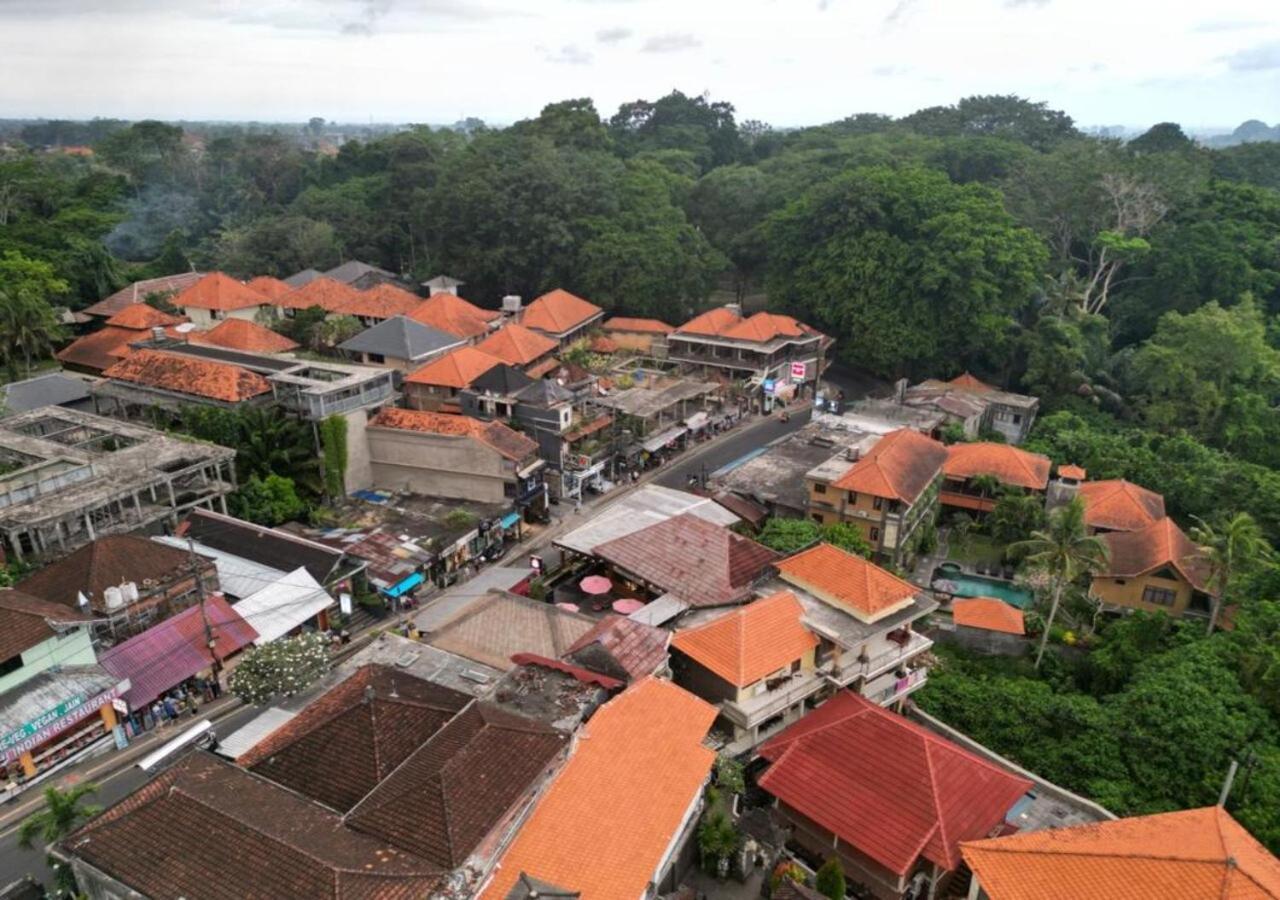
(343, 744)
(102, 349)
(219, 292)
(642, 751)
(1162, 543)
(698, 561)
(1186, 855)
(456, 369)
(603, 344)
(764, 327)
(911, 794)
(968, 382)
(20, 630)
(142, 317)
(138, 291)
(621, 648)
(989, 614)
(899, 467)
(847, 580)
(188, 375)
(450, 313)
(323, 292)
(382, 301)
(207, 830)
(1120, 505)
(558, 311)
(1073, 472)
(1011, 465)
(271, 288)
(502, 438)
(712, 323)
(241, 334)
(496, 626)
(516, 345)
(107, 562)
(448, 795)
(746, 644)
(643, 326)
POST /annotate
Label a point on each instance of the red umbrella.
(627, 606)
(595, 584)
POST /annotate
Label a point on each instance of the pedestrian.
(194, 707)
(170, 710)
(215, 687)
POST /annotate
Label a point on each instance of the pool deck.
(926, 568)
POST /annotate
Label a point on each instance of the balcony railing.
(882, 662)
(913, 680)
(748, 713)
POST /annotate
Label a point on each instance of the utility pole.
(1226, 785)
(204, 613)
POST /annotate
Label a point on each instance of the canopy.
(282, 606)
(697, 420)
(658, 441)
(595, 584)
(510, 519)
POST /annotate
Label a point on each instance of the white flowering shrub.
(282, 668)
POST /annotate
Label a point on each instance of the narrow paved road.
(749, 438)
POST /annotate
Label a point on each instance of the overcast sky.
(787, 62)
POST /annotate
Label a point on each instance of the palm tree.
(1228, 552)
(1064, 551)
(272, 444)
(985, 485)
(62, 814)
(28, 328)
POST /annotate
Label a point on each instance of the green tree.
(788, 536)
(910, 272)
(846, 537)
(1016, 516)
(277, 245)
(830, 879)
(272, 500)
(28, 325)
(62, 814)
(1164, 137)
(282, 668)
(1008, 116)
(1229, 552)
(1064, 550)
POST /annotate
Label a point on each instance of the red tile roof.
(911, 793)
(220, 292)
(602, 344)
(241, 334)
(746, 644)
(1074, 472)
(599, 423)
(642, 326)
(101, 349)
(456, 369)
(989, 614)
(516, 345)
(324, 292)
(967, 382)
(138, 291)
(711, 323)
(450, 313)
(448, 795)
(207, 830)
(271, 288)
(1160, 544)
(764, 327)
(345, 742)
(141, 317)
(1187, 855)
(543, 368)
(505, 440)
(698, 561)
(621, 648)
(642, 751)
(1119, 505)
(557, 312)
(188, 375)
(382, 301)
(1012, 466)
(900, 466)
(167, 654)
(847, 581)
(24, 621)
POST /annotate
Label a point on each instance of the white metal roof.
(278, 608)
(647, 506)
(238, 577)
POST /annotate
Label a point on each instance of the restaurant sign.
(54, 721)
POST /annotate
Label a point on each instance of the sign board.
(120, 706)
(55, 721)
(535, 563)
(799, 371)
(769, 385)
(344, 603)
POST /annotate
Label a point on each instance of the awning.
(248, 736)
(697, 420)
(405, 584)
(664, 609)
(657, 442)
(509, 519)
(279, 608)
(51, 702)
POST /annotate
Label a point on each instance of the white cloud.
(671, 43)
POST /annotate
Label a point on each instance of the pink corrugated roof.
(168, 653)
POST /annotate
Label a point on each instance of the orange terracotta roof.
(1074, 472)
(765, 326)
(602, 344)
(271, 288)
(711, 323)
(507, 441)
(516, 345)
(382, 301)
(748, 643)
(101, 349)
(1188, 855)
(899, 467)
(1009, 464)
(558, 311)
(141, 317)
(241, 334)
(189, 375)
(847, 581)
(456, 369)
(326, 293)
(1162, 543)
(450, 313)
(138, 291)
(1120, 505)
(970, 383)
(641, 751)
(647, 326)
(988, 614)
(543, 368)
(220, 292)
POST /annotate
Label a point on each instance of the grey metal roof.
(545, 393)
(300, 279)
(352, 269)
(503, 380)
(51, 389)
(402, 338)
(647, 506)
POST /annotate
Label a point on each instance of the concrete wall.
(426, 397)
(73, 649)
(1127, 592)
(359, 472)
(204, 320)
(980, 640)
(437, 465)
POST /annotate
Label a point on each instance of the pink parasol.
(568, 607)
(627, 606)
(595, 584)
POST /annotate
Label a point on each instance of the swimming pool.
(977, 586)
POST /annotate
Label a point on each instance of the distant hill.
(1252, 131)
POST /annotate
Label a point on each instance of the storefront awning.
(509, 519)
(46, 705)
(697, 420)
(658, 441)
(282, 606)
(404, 585)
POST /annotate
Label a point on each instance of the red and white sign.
(799, 371)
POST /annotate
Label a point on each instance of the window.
(875, 534)
(375, 358)
(877, 503)
(1158, 596)
(217, 314)
(817, 517)
(819, 488)
(508, 489)
(1017, 419)
(853, 498)
(12, 664)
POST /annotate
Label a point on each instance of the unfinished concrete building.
(68, 477)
